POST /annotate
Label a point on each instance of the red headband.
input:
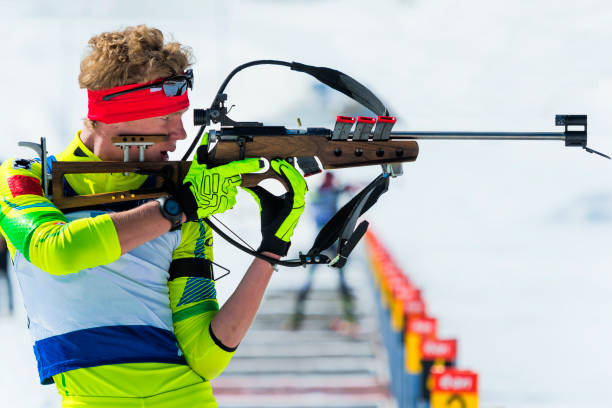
(142, 104)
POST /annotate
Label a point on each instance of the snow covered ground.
(509, 240)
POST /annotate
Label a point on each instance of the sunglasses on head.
(175, 85)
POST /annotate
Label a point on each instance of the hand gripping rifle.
(362, 142)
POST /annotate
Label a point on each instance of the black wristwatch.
(171, 210)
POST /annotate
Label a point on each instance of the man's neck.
(93, 139)
(87, 138)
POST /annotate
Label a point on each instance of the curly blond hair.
(130, 56)
(134, 55)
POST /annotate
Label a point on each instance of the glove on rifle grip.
(275, 245)
(271, 208)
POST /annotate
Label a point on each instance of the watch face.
(172, 207)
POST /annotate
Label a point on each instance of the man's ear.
(90, 124)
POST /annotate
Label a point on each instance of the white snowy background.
(510, 241)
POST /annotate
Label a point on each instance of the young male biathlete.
(120, 301)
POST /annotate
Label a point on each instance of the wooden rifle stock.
(332, 154)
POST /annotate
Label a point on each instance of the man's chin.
(161, 156)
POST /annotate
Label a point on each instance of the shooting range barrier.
(422, 366)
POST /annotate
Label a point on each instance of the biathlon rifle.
(352, 143)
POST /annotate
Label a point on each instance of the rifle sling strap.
(337, 226)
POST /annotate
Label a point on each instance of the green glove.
(280, 215)
(211, 191)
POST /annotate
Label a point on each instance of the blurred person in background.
(324, 202)
(120, 298)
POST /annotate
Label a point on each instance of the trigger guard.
(272, 182)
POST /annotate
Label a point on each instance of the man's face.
(171, 125)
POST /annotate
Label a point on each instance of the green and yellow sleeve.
(32, 225)
(193, 300)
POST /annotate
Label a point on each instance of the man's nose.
(177, 130)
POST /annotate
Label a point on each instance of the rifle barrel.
(479, 135)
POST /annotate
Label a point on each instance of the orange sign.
(434, 349)
(454, 388)
(454, 380)
(425, 326)
(414, 307)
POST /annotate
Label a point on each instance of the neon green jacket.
(105, 324)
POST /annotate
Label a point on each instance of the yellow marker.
(417, 329)
(397, 314)
(454, 388)
(412, 345)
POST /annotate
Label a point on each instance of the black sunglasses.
(175, 85)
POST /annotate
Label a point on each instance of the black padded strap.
(332, 230)
(191, 268)
(345, 84)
